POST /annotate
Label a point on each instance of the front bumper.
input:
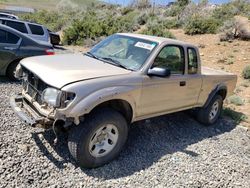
(27, 113)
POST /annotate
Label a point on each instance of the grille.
(33, 86)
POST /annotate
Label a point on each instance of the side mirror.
(160, 72)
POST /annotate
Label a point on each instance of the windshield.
(124, 51)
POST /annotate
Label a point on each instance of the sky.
(162, 2)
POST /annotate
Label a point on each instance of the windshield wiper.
(91, 55)
(114, 62)
(107, 60)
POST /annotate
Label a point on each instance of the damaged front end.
(38, 103)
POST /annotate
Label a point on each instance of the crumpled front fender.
(88, 103)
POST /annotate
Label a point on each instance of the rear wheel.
(12, 70)
(99, 139)
(210, 114)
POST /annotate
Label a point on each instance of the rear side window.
(9, 38)
(18, 26)
(192, 61)
(36, 29)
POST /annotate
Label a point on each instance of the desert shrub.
(177, 8)
(229, 10)
(246, 72)
(234, 29)
(92, 27)
(52, 20)
(200, 25)
(141, 4)
(193, 10)
(245, 84)
(143, 18)
(236, 116)
(157, 30)
(182, 3)
(174, 10)
(126, 10)
(236, 100)
(127, 23)
(224, 12)
(171, 23)
(230, 62)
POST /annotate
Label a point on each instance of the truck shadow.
(147, 143)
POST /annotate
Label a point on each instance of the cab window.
(171, 57)
(192, 61)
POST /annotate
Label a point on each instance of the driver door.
(163, 94)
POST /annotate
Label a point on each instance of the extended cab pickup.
(123, 79)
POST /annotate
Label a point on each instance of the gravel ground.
(169, 151)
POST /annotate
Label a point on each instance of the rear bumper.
(28, 114)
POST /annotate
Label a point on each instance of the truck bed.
(211, 78)
(210, 71)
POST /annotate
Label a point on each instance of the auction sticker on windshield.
(145, 45)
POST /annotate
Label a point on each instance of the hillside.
(46, 4)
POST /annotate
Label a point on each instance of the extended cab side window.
(17, 25)
(8, 38)
(171, 57)
(192, 61)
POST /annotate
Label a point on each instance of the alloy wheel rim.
(103, 140)
(214, 110)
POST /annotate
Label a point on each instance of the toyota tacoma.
(125, 78)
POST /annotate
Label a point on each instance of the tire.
(11, 71)
(83, 136)
(210, 115)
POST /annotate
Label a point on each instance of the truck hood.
(60, 70)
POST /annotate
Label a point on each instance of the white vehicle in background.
(35, 31)
(7, 15)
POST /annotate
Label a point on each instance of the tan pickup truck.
(123, 79)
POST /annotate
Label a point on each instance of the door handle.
(9, 48)
(183, 83)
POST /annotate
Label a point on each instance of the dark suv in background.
(14, 46)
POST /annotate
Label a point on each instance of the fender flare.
(88, 103)
(214, 92)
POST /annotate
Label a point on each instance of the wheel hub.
(214, 111)
(103, 140)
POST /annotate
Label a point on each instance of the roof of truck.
(157, 39)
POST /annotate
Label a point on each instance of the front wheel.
(99, 139)
(210, 114)
(12, 70)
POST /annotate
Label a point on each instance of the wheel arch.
(120, 105)
(220, 89)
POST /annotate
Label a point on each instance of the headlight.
(52, 96)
